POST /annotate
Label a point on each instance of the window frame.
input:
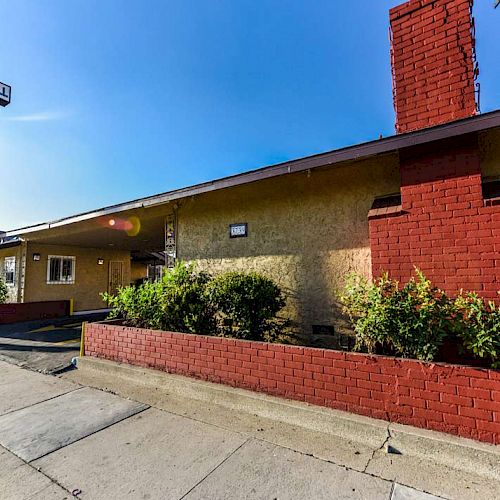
(157, 274)
(10, 258)
(61, 258)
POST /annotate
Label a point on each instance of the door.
(115, 280)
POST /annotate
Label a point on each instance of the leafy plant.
(477, 324)
(247, 305)
(185, 304)
(138, 306)
(186, 300)
(177, 302)
(413, 320)
(3, 291)
(409, 321)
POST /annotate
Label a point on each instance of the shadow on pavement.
(37, 345)
(49, 330)
(34, 348)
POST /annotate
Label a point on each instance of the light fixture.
(36, 257)
(100, 261)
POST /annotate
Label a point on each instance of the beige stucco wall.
(489, 147)
(306, 231)
(138, 270)
(12, 290)
(90, 278)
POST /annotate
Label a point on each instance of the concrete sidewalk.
(60, 439)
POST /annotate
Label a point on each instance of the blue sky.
(114, 100)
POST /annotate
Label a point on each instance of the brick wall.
(455, 399)
(29, 311)
(433, 62)
(443, 227)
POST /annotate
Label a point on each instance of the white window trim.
(69, 282)
(8, 283)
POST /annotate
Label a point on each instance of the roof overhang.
(9, 242)
(387, 145)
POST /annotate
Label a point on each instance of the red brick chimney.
(433, 62)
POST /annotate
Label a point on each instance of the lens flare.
(131, 225)
(135, 226)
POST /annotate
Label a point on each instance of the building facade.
(426, 197)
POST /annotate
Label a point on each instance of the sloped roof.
(386, 145)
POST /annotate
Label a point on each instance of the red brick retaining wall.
(455, 399)
(27, 311)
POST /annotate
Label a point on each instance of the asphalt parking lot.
(46, 346)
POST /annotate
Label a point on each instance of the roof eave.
(357, 152)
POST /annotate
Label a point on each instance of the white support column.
(22, 271)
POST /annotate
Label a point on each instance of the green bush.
(478, 326)
(409, 321)
(185, 300)
(178, 302)
(3, 291)
(247, 305)
(185, 304)
(414, 319)
(139, 306)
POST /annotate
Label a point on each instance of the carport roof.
(390, 144)
(8, 241)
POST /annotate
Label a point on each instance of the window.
(491, 192)
(9, 270)
(61, 270)
(155, 272)
(386, 206)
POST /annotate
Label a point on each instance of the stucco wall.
(90, 278)
(306, 231)
(12, 290)
(138, 270)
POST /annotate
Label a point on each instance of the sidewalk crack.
(23, 463)
(52, 480)
(42, 401)
(381, 447)
(215, 468)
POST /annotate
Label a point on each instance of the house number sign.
(239, 230)
(4, 94)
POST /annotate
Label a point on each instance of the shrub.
(138, 306)
(409, 321)
(3, 291)
(185, 305)
(478, 326)
(247, 305)
(413, 320)
(178, 302)
(185, 300)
